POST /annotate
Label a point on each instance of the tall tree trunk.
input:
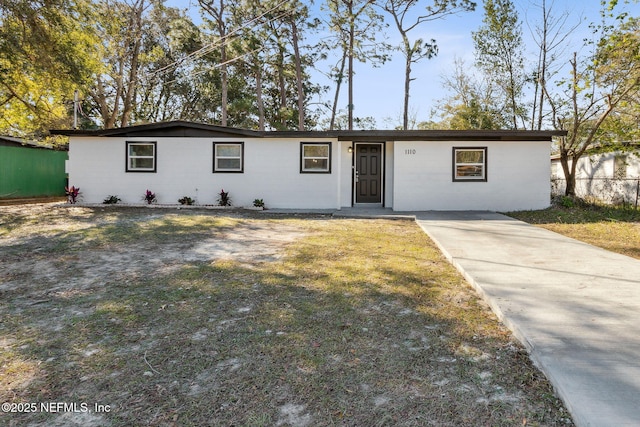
(569, 174)
(298, 64)
(224, 78)
(336, 96)
(407, 84)
(407, 81)
(542, 67)
(135, 28)
(512, 96)
(218, 15)
(351, 42)
(282, 87)
(259, 100)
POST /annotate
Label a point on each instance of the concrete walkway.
(576, 307)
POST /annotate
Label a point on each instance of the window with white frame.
(470, 164)
(141, 156)
(228, 157)
(315, 157)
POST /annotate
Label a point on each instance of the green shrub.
(223, 198)
(186, 200)
(111, 200)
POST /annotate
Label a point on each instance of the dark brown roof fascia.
(191, 129)
(459, 135)
(420, 135)
(175, 128)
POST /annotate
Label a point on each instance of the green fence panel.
(31, 172)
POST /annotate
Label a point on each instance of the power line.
(214, 66)
(220, 41)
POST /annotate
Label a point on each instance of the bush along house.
(403, 170)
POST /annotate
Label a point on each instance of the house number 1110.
(410, 151)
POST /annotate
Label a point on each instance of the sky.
(379, 92)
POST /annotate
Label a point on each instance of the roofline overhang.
(19, 142)
(192, 129)
(150, 128)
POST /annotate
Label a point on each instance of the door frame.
(382, 173)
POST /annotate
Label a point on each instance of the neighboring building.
(403, 170)
(29, 170)
(611, 177)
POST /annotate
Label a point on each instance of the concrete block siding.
(417, 167)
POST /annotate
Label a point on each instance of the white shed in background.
(609, 176)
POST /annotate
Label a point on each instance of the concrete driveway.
(575, 306)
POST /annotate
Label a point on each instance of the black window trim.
(472, 179)
(155, 157)
(241, 144)
(302, 145)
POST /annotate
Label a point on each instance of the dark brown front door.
(368, 173)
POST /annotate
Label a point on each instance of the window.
(228, 157)
(141, 156)
(470, 164)
(620, 166)
(315, 157)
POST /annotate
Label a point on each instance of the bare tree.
(405, 20)
(596, 88)
(550, 37)
(356, 26)
(473, 104)
(217, 10)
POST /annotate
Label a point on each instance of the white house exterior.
(403, 170)
(611, 177)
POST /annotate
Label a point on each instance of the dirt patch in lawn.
(205, 318)
(66, 257)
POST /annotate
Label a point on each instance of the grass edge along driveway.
(614, 228)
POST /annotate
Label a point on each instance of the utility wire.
(220, 41)
(195, 73)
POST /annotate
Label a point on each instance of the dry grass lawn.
(196, 318)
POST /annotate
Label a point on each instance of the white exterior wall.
(518, 174)
(185, 168)
(600, 166)
(389, 171)
(595, 178)
(346, 173)
(518, 177)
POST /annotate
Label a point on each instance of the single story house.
(611, 176)
(402, 170)
(30, 170)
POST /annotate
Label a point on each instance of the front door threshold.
(367, 205)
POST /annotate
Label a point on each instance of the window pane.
(138, 163)
(469, 171)
(467, 156)
(316, 151)
(228, 150)
(141, 149)
(316, 164)
(228, 164)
